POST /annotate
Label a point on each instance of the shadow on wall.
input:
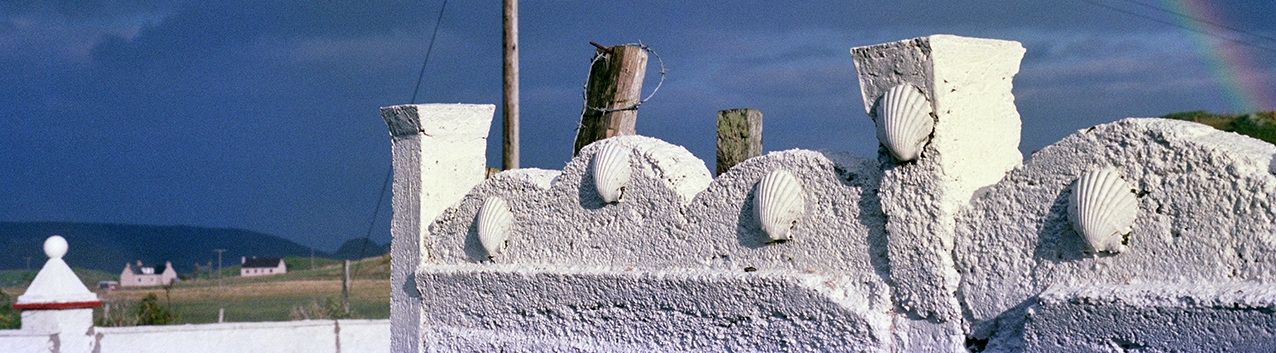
(1057, 242)
(587, 193)
(870, 215)
(748, 230)
(473, 246)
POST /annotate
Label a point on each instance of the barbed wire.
(600, 55)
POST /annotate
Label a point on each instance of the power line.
(363, 248)
(1157, 20)
(1196, 19)
(428, 49)
(375, 212)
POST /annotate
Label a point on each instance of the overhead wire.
(389, 173)
(1201, 20)
(429, 49)
(1153, 19)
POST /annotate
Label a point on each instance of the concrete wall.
(672, 269)
(438, 154)
(1204, 221)
(680, 263)
(28, 341)
(964, 249)
(287, 336)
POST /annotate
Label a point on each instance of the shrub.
(9, 319)
(331, 309)
(150, 312)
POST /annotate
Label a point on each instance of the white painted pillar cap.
(56, 287)
(55, 247)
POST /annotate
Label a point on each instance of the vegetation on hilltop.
(1260, 125)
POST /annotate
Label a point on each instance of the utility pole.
(510, 111)
(219, 266)
(312, 258)
(28, 263)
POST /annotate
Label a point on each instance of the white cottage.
(146, 276)
(261, 266)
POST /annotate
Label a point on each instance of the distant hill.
(1260, 125)
(355, 249)
(107, 247)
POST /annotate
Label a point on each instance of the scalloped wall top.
(655, 226)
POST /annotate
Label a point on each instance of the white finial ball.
(55, 247)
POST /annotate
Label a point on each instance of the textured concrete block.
(690, 243)
(1155, 318)
(439, 155)
(1205, 216)
(974, 143)
(589, 308)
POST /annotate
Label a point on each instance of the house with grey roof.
(261, 266)
(147, 276)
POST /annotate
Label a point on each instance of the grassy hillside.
(113, 245)
(22, 278)
(301, 293)
(1259, 125)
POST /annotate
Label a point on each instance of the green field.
(299, 294)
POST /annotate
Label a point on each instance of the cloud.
(60, 32)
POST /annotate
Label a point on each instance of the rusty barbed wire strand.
(604, 54)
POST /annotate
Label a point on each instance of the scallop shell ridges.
(1102, 209)
(494, 224)
(779, 204)
(611, 171)
(904, 122)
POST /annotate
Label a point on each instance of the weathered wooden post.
(739, 137)
(439, 155)
(345, 286)
(612, 94)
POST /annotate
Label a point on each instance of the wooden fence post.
(615, 87)
(739, 137)
(345, 286)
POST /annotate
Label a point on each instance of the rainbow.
(1229, 62)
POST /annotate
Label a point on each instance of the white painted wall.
(318, 336)
(967, 248)
(27, 341)
(1205, 221)
(439, 154)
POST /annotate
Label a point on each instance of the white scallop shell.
(611, 171)
(1102, 209)
(904, 122)
(494, 224)
(779, 204)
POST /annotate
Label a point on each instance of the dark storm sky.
(262, 115)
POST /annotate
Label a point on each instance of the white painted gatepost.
(57, 309)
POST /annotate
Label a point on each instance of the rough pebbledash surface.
(1205, 219)
(966, 248)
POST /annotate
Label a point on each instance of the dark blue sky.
(263, 115)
